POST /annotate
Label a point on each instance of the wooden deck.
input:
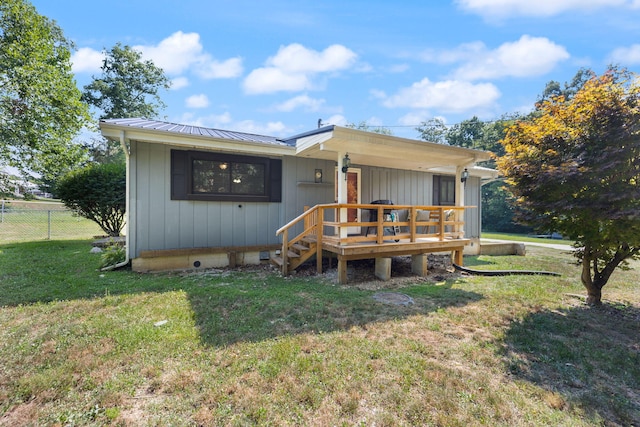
(411, 230)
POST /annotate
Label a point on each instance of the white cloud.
(211, 69)
(447, 96)
(529, 56)
(86, 60)
(506, 8)
(183, 51)
(269, 80)
(296, 58)
(302, 101)
(294, 67)
(197, 101)
(336, 119)
(179, 83)
(626, 55)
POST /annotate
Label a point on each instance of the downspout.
(125, 150)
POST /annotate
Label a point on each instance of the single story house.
(201, 198)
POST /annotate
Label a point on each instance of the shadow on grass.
(229, 306)
(589, 356)
(252, 307)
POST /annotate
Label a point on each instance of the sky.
(277, 67)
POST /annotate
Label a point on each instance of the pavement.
(559, 246)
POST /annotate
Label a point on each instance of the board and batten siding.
(160, 223)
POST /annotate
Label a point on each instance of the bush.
(97, 192)
(112, 255)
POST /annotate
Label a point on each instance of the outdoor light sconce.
(346, 164)
(464, 176)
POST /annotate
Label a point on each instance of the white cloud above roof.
(294, 67)
(183, 51)
(86, 60)
(626, 55)
(300, 102)
(447, 96)
(197, 101)
(541, 8)
(528, 56)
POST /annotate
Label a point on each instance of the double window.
(198, 175)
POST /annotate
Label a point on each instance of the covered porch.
(418, 226)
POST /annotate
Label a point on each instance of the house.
(202, 198)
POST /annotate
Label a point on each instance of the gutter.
(125, 149)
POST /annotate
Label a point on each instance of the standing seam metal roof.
(157, 125)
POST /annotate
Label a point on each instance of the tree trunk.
(594, 289)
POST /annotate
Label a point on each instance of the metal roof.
(161, 126)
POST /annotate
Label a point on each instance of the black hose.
(504, 272)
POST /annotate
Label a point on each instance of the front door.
(353, 196)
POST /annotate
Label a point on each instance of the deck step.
(300, 247)
(277, 260)
(292, 254)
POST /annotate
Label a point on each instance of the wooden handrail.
(314, 222)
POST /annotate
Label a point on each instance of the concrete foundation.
(419, 264)
(383, 268)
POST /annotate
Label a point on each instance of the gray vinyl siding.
(161, 223)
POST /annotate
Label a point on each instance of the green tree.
(433, 130)
(363, 125)
(40, 106)
(466, 133)
(97, 192)
(554, 89)
(128, 87)
(575, 167)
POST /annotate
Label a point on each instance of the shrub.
(97, 192)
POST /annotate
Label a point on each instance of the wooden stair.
(297, 253)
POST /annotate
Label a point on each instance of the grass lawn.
(248, 347)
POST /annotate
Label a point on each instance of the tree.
(363, 125)
(575, 167)
(97, 192)
(40, 106)
(554, 89)
(466, 133)
(433, 130)
(128, 87)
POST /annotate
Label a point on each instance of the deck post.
(383, 268)
(319, 233)
(458, 257)
(342, 271)
(285, 252)
(419, 264)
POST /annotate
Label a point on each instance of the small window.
(197, 175)
(444, 190)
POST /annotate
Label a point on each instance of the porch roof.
(373, 149)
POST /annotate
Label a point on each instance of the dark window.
(197, 175)
(444, 190)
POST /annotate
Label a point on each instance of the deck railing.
(328, 223)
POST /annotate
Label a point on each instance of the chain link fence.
(25, 221)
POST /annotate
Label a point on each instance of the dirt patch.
(361, 273)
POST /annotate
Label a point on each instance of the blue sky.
(275, 67)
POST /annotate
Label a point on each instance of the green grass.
(248, 347)
(19, 224)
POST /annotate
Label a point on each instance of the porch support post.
(383, 268)
(342, 195)
(419, 264)
(460, 187)
(342, 270)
